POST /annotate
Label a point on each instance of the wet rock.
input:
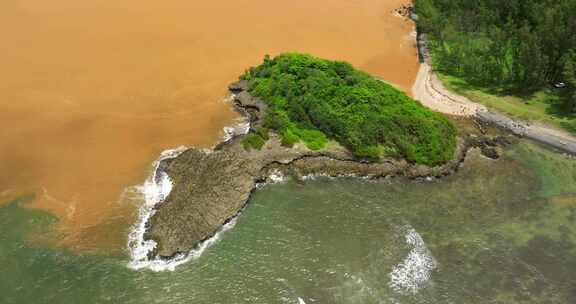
(487, 141)
(246, 101)
(239, 86)
(502, 141)
(248, 105)
(489, 146)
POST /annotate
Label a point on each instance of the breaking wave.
(276, 176)
(415, 270)
(154, 190)
(241, 128)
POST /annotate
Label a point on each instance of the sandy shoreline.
(430, 92)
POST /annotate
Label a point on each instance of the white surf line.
(276, 176)
(241, 128)
(155, 190)
(316, 176)
(416, 269)
(171, 264)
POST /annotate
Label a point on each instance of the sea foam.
(153, 191)
(241, 128)
(415, 270)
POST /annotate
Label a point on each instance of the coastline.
(430, 91)
(210, 188)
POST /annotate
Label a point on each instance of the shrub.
(289, 138)
(263, 133)
(372, 153)
(314, 139)
(253, 141)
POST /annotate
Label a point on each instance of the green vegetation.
(513, 47)
(312, 100)
(543, 106)
(255, 140)
(569, 74)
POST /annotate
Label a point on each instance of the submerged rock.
(490, 146)
(239, 86)
(490, 152)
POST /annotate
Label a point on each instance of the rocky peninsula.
(211, 187)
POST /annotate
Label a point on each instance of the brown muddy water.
(92, 91)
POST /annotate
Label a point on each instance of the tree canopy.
(569, 74)
(312, 100)
(513, 45)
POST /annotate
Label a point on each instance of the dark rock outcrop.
(489, 146)
(248, 105)
(239, 86)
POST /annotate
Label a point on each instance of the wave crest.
(416, 269)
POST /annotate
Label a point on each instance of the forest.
(315, 100)
(514, 46)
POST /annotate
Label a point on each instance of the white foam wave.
(241, 128)
(316, 176)
(154, 190)
(415, 270)
(276, 176)
(170, 265)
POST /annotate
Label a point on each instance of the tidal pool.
(496, 232)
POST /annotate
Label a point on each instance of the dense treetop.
(313, 100)
(513, 45)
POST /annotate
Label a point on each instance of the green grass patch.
(289, 139)
(313, 139)
(253, 141)
(545, 106)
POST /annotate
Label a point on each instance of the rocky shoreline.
(210, 187)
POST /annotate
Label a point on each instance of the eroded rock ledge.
(211, 187)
